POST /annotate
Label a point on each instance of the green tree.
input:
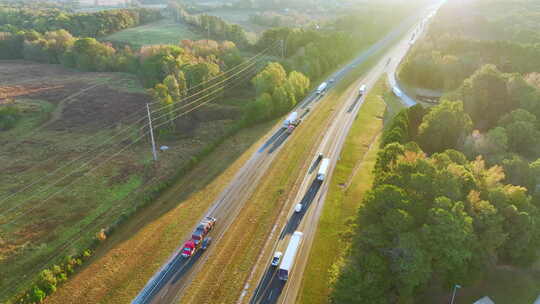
(449, 235)
(485, 97)
(444, 127)
(173, 88)
(271, 77)
(523, 136)
(299, 84)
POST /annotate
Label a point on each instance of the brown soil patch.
(99, 106)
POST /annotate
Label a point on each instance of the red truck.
(199, 239)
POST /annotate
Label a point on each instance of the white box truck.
(362, 90)
(291, 119)
(323, 169)
(322, 88)
(290, 255)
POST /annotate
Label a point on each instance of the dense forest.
(456, 185)
(453, 49)
(455, 193)
(214, 26)
(93, 25)
(316, 51)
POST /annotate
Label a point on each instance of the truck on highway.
(323, 169)
(322, 88)
(362, 90)
(202, 229)
(290, 255)
(292, 126)
(199, 238)
(291, 119)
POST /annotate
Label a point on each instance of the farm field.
(162, 32)
(80, 169)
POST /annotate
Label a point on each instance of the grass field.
(57, 192)
(162, 32)
(351, 179)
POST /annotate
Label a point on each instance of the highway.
(312, 193)
(168, 284)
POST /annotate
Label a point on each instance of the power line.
(66, 176)
(78, 236)
(194, 108)
(207, 88)
(130, 128)
(211, 93)
(229, 70)
(164, 107)
(169, 113)
(86, 163)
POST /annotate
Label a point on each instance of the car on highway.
(298, 208)
(331, 80)
(276, 258)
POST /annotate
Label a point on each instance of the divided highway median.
(352, 177)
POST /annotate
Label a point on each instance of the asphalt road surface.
(270, 289)
(167, 285)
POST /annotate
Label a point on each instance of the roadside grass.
(122, 266)
(161, 32)
(233, 258)
(352, 177)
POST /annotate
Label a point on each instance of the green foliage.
(485, 96)
(444, 127)
(214, 26)
(440, 217)
(314, 52)
(521, 128)
(94, 24)
(49, 279)
(404, 126)
(271, 77)
(277, 93)
(9, 115)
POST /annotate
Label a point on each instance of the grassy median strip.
(351, 179)
(123, 266)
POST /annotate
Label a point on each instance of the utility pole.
(154, 153)
(454, 293)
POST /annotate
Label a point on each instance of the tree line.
(198, 60)
(318, 49)
(458, 43)
(214, 26)
(95, 24)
